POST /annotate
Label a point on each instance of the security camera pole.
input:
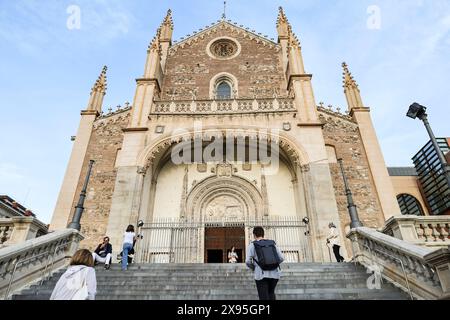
(355, 223)
(75, 224)
(418, 111)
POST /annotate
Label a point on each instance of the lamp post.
(418, 111)
(353, 212)
(75, 224)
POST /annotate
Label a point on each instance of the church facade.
(224, 134)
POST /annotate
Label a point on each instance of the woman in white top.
(79, 281)
(333, 240)
(128, 239)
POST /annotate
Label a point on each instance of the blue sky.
(47, 70)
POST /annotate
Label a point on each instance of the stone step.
(188, 288)
(238, 297)
(188, 284)
(216, 281)
(339, 267)
(224, 282)
(218, 291)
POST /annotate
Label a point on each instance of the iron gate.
(168, 240)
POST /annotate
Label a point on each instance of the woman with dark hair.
(232, 255)
(79, 281)
(128, 239)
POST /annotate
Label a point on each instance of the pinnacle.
(168, 19)
(101, 83)
(348, 78)
(281, 16)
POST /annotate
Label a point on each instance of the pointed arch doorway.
(224, 203)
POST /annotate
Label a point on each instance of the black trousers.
(266, 288)
(336, 248)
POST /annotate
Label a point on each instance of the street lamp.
(418, 111)
(75, 224)
(353, 212)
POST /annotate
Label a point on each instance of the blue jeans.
(126, 248)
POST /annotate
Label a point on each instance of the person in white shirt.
(128, 240)
(333, 241)
(79, 281)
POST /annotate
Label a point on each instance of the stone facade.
(189, 67)
(342, 133)
(106, 140)
(267, 94)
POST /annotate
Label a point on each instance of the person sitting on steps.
(103, 253)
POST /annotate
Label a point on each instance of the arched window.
(409, 205)
(223, 90)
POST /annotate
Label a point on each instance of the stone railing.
(422, 272)
(31, 261)
(19, 229)
(223, 106)
(429, 231)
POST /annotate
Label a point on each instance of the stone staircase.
(303, 281)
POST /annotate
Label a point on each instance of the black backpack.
(267, 254)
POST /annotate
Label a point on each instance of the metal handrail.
(393, 257)
(53, 261)
(19, 262)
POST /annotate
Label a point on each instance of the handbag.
(82, 293)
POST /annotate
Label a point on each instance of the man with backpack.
(264, 258)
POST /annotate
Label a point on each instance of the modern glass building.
(432, 178)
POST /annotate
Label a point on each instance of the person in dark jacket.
(103, 253)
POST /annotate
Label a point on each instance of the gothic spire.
(284, 29)
(166, 28)
(351, 89)
(283, 26)
(98, 92)
(349, 82)
(101, 83)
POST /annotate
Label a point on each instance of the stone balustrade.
(28, 262)
(429, 231)
(422, 272)
(6, 228)
(223, 106)
(19, 229)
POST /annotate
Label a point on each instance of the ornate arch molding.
(153, 153)
(235, 187)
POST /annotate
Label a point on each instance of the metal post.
(355, 222)
(445, 167)
(75, 224)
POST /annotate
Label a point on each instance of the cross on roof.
(224, 15)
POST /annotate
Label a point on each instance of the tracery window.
(223, 90)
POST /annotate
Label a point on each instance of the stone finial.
(351, 89)
(98, 91)
(283, 26)
(281, 16)
(349, 82)
(101, 83)
(166, 28)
